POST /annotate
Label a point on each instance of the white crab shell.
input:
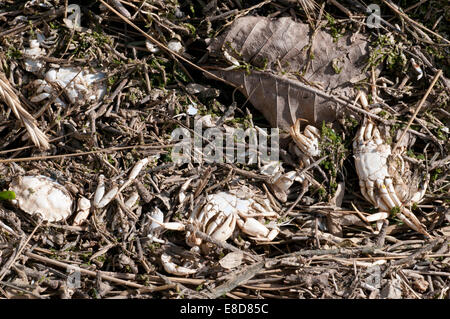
(221, 213)
(32, 54)
(79, 86)
(42, 195)
(218, 217)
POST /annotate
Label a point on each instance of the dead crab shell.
(42, 195)
(221, 213)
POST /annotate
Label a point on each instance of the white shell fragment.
(280, 182)
(132, 200)
(83, 207)
(174, 269)
(101, 199)
(231, 59)
(155, 227)
(175, 46)
(308, 141)
(109, 196)
(192, 110)
(151, 47)
(271, 168)
(85, 86)
(158, 216)
(232, 260)
(417, 68)
(79, 85)
(42, 195)
(73, 21)
(195, 88)
(100, 191)
(137, 168)
(184, 187)
(31, 57)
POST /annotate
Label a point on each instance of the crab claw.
(258, 231)
(174, 269)
(308, 141)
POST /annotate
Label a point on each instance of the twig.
(46, 16)
(222, 16)
(239, 277)
(105, 150)
(436, 77)
(97, 273)
(300, 196)
(382, 235)
(203, 181)
(8, 95)
(189, 293)
(342, 8)
(405, 16)
(8, 284)
(163, 47)
(19, 252)
(418, 253)
(121, 8)
(245, 173)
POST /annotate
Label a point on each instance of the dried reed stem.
(8, 95)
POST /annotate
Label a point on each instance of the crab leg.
(411, 220)
(175, 269)
(392, 201)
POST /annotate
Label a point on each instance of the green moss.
(181, 75)
(167, 157)
(322, 193)
(337, 69)
(154, 246)
(53, 25)
(395, 211)
(100, 38)
(265, 63)
(335, 30)
(333, 147)
(435, 175)
(329, 133)
(440, 133)
(13, 53)
(191, 28)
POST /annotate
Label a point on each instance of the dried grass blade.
(8, 95)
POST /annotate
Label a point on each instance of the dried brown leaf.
(282, 46)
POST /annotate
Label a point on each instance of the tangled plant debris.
(352, 203)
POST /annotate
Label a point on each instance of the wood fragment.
(239, 277)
